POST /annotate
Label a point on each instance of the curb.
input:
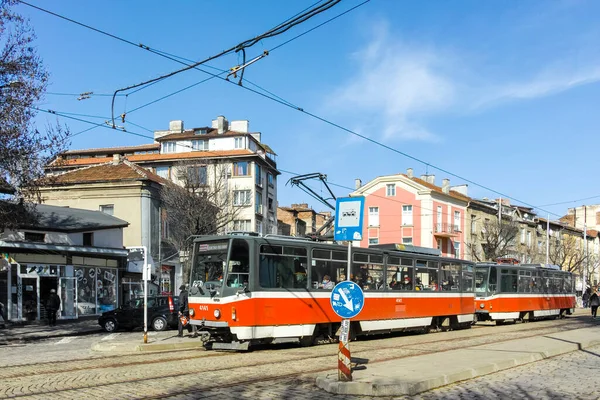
(411, 386)
(145, 347)
(37, 337)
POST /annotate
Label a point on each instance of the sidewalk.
(157, 341)
(38, 330)
(412, 375)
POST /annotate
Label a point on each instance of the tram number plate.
(345, 330)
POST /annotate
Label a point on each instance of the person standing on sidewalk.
(594, 302)
(586, 297)
(52, 307)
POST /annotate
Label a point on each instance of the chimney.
(222, 125)
(240, 126)
(446, 186)
(431, 179)
(409, 172)
(462, 189)
(357, 183)
(176, 126)
(116, 159)
(423, 178)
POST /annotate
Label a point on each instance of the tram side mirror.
(243, 290)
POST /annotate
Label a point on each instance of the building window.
(108, 209)
(528, 238)
(244, 225)
(200, 145)
(439, 244)
(196, 176)
(523, 236)
(407, 240)
(374, 241)
(456, 221)
(390, 189)
(35, 237)
(407, 216)
(373, 216)
(270, 203)
(457, 249)
(88, 239)
(169, 147)
(258, 175)
(163, 172)
(259, 205)
(241, 197)
(241, 169)
(259, 227)
(473, 224)
(439, 219)
(270, 180)
(238, 143)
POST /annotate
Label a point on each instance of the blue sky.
(504, 94)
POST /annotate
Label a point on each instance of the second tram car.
(522, 292)
(248, 289)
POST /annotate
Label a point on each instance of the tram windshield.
(208, 267)
(481, 281)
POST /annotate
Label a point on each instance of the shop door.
(68, 298)
(30, 299)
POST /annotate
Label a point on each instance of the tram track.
(243, 362)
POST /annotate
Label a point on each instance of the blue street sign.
(349, 213)
(347, 299)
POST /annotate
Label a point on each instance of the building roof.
(136, 158)
(451, 193)
(112, 150)
(65, 219)
(107, 172)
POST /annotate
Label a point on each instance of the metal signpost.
(137, 259)
(347, 301)
(347, 298)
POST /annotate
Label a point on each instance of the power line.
(571, 201)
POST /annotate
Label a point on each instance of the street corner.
(331, 384)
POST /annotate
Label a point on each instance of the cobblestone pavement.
(285, 372)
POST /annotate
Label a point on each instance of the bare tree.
(497, 240)
(200, 201)
(568, 253)
(24, 150)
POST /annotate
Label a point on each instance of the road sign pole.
(344, 365)
(349, 259)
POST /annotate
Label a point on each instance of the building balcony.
(446, 230)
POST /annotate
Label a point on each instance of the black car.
(162, 313)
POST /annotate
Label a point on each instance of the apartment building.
(405, 209)
(226, 154)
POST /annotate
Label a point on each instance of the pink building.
(404, 209)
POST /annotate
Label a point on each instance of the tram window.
(493, 286)
(525, 282)
(450, 277)
(326, 273)
(368, 276)
(536, 282)
(209, 268)
(376, 258)
(508, 281)
(270, 249)
(283, 272)
(467, 278)
(339, 255)
(568, 285)
(238, 271)
(295, 251)
(323, 254)
(359, 257)
(556, 283)
(426, 278)
(481, 279)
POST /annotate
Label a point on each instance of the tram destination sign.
(347, 299)
(349, 215)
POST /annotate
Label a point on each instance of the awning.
(108, 251)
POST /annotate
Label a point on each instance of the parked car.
(162, 313)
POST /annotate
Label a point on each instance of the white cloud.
(395, 84)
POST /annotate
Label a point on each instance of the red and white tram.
(247, 289)
(506, 291)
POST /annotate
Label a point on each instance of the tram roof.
(521, 266)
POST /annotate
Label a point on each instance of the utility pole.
(584, 247)
(548, 240)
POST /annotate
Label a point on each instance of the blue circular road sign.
(347, 299)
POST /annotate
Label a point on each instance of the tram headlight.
(482, 306)
(192, 312)
(217, 313)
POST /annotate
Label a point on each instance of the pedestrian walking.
(52, 307)
(594, 302)
(184, 310)
(586, 297)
